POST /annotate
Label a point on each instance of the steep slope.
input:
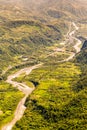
(25, 38)
(82, 56)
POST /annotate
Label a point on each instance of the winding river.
(26, 89)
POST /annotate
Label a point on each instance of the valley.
(26, 89)
(43, 65)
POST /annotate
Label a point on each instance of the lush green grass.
(9, 98)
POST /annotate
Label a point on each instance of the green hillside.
(23, 40)
(59, 101)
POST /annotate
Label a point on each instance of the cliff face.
(84, 45)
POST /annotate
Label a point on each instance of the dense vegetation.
(9, 98)
(82, 57)
(59, 101)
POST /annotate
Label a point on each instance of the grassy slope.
(26, 39)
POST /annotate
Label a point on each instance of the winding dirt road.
(25, 89)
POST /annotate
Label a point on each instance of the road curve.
(25, 89)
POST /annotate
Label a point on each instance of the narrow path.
(25, 89)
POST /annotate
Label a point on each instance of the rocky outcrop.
(84, 45)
